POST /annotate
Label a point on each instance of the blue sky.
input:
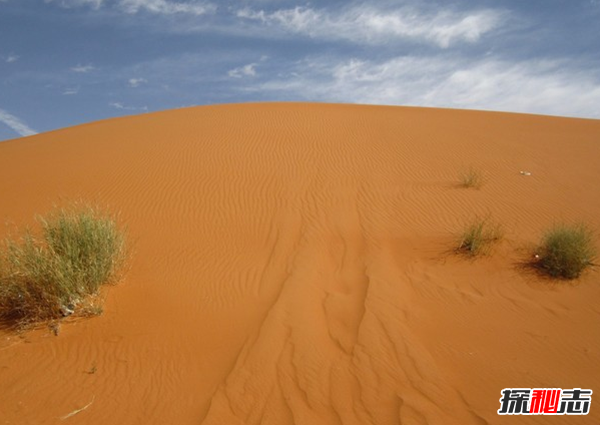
(67, 62)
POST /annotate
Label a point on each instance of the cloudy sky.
(67, 62)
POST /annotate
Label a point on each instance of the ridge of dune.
(292, 266)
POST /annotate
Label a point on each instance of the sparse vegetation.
(566, 250)
(471, 178)
(478, 236)
(53, 275)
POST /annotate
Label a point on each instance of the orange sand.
(292, 266)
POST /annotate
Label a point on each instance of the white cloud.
(135, 82)
(82, 68)
(70, 92)
(16, 124)
(121, 106)
(367, 25)
(11, 58)
(94, 4)
(117, 105)
(542, 87)
(166, 7)
(243, 71)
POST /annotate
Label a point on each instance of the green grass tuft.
(478, 236)
(471, 178)
(566, 250)
(49, 276)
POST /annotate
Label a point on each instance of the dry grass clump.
(471, 178)
(566, 250)
(478, 236)
(48, 276)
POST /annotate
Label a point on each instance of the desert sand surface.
(293, 264)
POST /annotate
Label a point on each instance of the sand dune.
(292, 266)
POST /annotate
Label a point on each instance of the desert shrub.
(478, 236)
(566, 250)
(47, 276)
(471, 178)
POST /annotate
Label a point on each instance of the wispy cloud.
(17, 125)
(193, 7)
(83, 68)
(95, 4)
(11, 58)
(135, 82)
(243, 71)
(121, 106)
(166, 7)
(70, 92)
(532, 86)
(369, 25)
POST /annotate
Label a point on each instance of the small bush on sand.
(471, 178)
(46, 277)
(478, 236)
(566, 250)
